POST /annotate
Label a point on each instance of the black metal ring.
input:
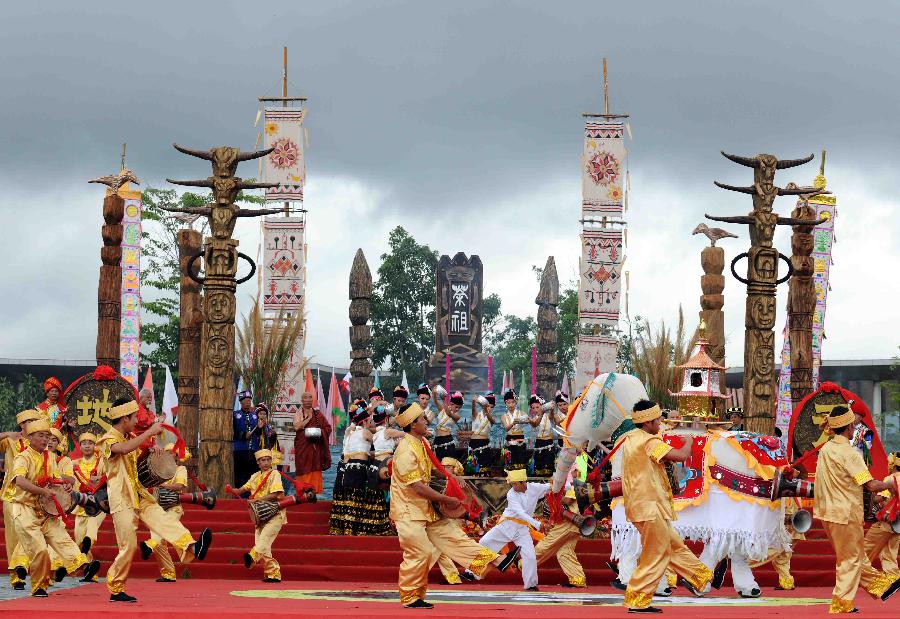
(252, 268)
(190, 268)
(733, 262)
(790, 269)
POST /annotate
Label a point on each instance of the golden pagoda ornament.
(702, 394)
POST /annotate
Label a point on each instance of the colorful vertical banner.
(603, 171)
(130, 333)
(286, 164)
(595, 355)
(284, 263)
(602, 256)
(823, 241)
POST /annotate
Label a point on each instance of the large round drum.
(439, 484)
(89, 399)
(155, 468)
(63, 498)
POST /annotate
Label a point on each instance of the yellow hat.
(894, 460)
(263, 453)
(454, 465)
(122, 410)
(171, 448)
(570, 493)
(37, 425)
(409, 415)
(28, 415)
(87, 436)
(842, 421)
(516, 475)
(59, 437)
(646, 415)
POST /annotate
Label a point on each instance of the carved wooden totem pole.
(220, 263)
(762, 279)
(191, 323)
(109, 289)
(360, 332)
(712, 284)
(547, 336)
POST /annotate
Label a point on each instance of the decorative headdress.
(87, 436)
(38, 425)
(491, 398)
(61, 440)
(408, 414)
(28, 415)
(360, 414)
(648, 412)
(842, 419)
(262, 407)
(509, 394)
(243, 395)
(561, 397)
(401, 392)
(535, 399)
(735, 410)
(453, 465)
(894, 460)
(123, 410)
(380, 416)
(516, 475)
(375, 391)
(52, 382)
(423, 390)
(457, 398)
(262, 453)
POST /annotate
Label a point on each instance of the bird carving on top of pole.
(713, 234)
(115, 181)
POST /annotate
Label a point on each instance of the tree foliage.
(12, 400)
(511, 347)
(402, 306)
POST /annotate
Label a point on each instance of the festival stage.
(247, 598)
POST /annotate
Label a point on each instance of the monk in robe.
(312, 454)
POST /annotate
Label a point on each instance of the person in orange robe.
(312, 454)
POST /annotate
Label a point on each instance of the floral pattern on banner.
(286, 164)
(694, 468)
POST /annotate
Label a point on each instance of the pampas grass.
(655, 355)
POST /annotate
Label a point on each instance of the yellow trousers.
(264, 537)
(448, 569)
(662, 547)
(37, 533)
(881, 542)
(422, 543)
(561, 541)
(781, 561)
(125, 523)
(15, 556)
(161, 548)
(853, 567)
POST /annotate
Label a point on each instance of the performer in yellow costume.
(560, 541)
(424, 535)
(130, 501)
(881, 541)
(159, 547)
(12, 443)
(57, 447)
(88, 471)
(648, 504)
(265, 485)
(446, 565)
(35, 528)
(841, 475)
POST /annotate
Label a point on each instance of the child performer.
(88, 470)
(157, 545)
(265, 485)
(36, 530)
(561, 540)
(518, 522)
(130, 501)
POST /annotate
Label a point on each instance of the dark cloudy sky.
(462, 122)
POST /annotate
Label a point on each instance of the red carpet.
(232, 598)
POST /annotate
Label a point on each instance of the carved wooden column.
(191, 321)
(712, 283)
(547, 336)
(109, 290)
(801, 304)
(360, 333)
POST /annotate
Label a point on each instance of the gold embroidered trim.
(410, 477)
(184, 541)
(408, 596)
(480, 562)
(637, 599)
(659, 451)
(671, 579)
(840, 606)
(700, 578)
(786, 583)
(452, 578)
(578, 581)
(880, 584)
(862, 477)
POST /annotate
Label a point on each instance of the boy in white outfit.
(518, 522)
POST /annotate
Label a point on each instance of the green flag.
(523, 394)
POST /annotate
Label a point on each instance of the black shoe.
(534, 588)
(146, 551)
(248, 560)
(39, 593)
(617, 584)
(690, 587)
(467, 576)
(418, 604)
(719, 574)
(613, 566)
(19, 586)
(122, 597)
(162, 579)
(86, 544)
(201, 546)
(568, 585)
(890, 590)
(21, 572)
(667, 592)
(59, 574)
(267, 579)
(780, 588)
(649, 609)
(855, 610)
(754, 593)
(91, 570)
(504, 565)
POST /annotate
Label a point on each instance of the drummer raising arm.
(265, 485)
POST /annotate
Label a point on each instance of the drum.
(870, 507)
(439, 484)
(675, 473)
(155, 468)
(167, 499)
(262, 512)
(63, 497)
(312, 432)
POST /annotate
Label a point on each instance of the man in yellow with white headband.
(841, 474)
(157, 545)
(265, 485)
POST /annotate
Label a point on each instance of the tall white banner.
(286, 165)
(600, 280)
(284, 263)
(596, 354)
(603, 172)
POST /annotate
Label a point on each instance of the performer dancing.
(88, 470)
(57, 446)
(130, 501)
(400, 396)
(312, 454)
(881, 541)
(545, 442)
(513, 423)
(560, 541)
(518, 524)
(649, 506)
(841, 475)
(265, 485)
(37, 530)
(422, 533)
(451, 575)
(13, 443)
(157, 545)
(444, 443)
(478, 461)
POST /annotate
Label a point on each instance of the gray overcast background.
(462, 122)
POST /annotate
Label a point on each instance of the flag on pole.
(237, 403)
(310, 386)
(170, 399)
(565, 385)
(344, 383)
(523, 394)
(320, 395)
(377, 380)
(148, 384)
(335, 413)
(403, 381)
(505, 384)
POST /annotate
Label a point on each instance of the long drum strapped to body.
(168, 499)
(155, 468)
(586, 524)
(439, 484)
(262, 512)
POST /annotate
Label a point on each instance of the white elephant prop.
(729, 477)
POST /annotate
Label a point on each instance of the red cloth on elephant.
(313, 454)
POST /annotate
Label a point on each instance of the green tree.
(402, 306)
(567, 332)
(511, 347)
(15, 398)
(490, 315)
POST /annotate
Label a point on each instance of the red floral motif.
(104, 372)
(285, 154)
(603, 168)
